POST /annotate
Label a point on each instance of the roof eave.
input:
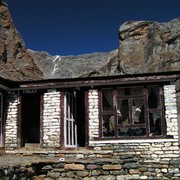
(97, 81)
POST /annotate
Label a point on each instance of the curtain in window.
(108, 125)
(153, 97)
(108, 95)
(138, 102)
(156, 92)
(122, 108)
(120, 93)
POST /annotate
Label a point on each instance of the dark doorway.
(80, 117)
(30, 123)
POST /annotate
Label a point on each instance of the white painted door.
(1, 118)
(70, 127)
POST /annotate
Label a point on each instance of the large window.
(131, 112)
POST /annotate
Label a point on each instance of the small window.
(131, 112)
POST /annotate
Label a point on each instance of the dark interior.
(30, 126)
(80, 117)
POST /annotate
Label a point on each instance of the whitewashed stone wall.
(171, 110)
(178, 104)
(93, 113)
(11, 140)
(51, 119)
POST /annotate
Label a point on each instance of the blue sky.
(72, 27)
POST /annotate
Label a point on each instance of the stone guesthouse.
(90, 112)
(107, 116)
(129, 116)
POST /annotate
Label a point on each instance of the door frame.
(19, 122)
(85, 102)
(70, 125)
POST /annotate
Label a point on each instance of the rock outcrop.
(145, 47)
(85, 65)
(15, 61)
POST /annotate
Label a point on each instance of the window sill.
(125, 141)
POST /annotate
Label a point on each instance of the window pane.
(108, 125)
(121, 92)
(123, 132)
(131, 91)
(0, 106)
(155, 123)
(153, 98)
(71, 107)
(123, 111)
(107, 99)
(138, 111)
(136, 91)
(67, 105)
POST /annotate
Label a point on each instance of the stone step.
(31, 146)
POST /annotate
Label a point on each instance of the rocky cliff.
(15, 61)
(147, 46)
(144, 47)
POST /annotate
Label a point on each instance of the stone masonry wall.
(171, 115)
(51, 119)
(171, 110)
(11, 140)
(152, 152)
(117, 162)
(93, 114)
(178, 103)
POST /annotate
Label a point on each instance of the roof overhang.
(5, 84)
(97, 81)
